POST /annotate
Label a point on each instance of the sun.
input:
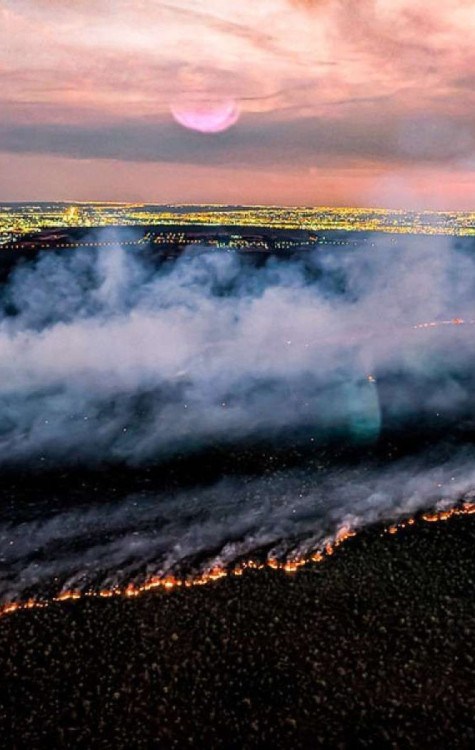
(206, 116)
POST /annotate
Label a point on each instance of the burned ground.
(371, 648)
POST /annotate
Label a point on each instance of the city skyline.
(42, 219)
(280, 103)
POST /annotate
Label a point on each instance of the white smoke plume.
(108, 357)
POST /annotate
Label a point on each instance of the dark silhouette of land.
(370, 649)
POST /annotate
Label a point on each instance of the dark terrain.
(371, 648)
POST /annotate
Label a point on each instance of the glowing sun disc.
(210, 117)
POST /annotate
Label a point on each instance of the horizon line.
(254, 206)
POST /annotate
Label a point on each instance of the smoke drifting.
(108, 357)
(288, 514)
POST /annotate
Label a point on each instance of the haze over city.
(314, 103)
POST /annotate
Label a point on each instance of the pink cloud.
(88, 63)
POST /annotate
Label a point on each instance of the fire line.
(290, 566)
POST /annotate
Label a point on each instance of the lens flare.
(206, 117)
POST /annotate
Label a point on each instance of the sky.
(302, 102)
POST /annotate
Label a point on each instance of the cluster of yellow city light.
(22, 219)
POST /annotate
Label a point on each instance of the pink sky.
(333, 101)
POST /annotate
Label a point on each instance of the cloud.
(298, 140)
(313, 68)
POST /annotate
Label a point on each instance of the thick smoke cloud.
(106, 357)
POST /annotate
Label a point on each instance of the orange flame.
(290, 566)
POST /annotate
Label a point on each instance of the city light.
(17, 220)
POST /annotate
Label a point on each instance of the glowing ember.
(65, 595)
(439, 323)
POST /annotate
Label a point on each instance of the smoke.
(113, 357)
(287, 514)
(105, 357)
